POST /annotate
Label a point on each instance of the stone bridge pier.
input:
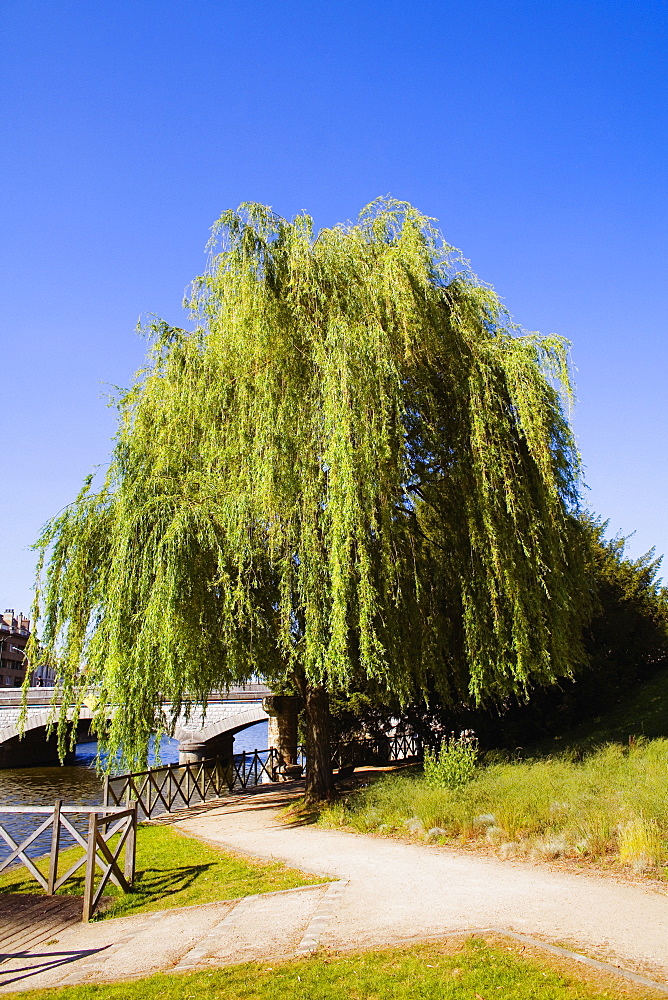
(283, 712)
(191, 750)
(216, 738)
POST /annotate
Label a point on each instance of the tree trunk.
(319, 780)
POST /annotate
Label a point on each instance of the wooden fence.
(178, 786)
(377, 750)
(104, 823)
(163, 789)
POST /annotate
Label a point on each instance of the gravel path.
(397, 891)
(384, 892)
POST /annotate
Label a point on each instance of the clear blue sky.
(536, 132)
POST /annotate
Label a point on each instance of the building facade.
(14, 635)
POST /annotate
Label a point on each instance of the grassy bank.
(443, 971)
(173, 870)
(611, 807)
(642, 712)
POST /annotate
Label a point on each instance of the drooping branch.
(253, 518)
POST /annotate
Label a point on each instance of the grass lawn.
(443, 971)
(173, 870)
(610, 808)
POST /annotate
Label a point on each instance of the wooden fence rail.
(376, 750)
(178, 786)
(163, 789)
(104, 823)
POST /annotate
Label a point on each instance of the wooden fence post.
(89, 885)
(131, 848)
(55, 842)
(149, 803)
(188, 783)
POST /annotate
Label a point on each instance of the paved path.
(385, 892)
(397, 891)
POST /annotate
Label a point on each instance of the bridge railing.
(104, 824)
(44, 696)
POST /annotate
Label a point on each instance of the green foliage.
(365, 711)
(172, 870)
(627, 638)
(353, 466)
(619, 689)
(453, 764)
(642, 713)
(626, 644)
(612, 806)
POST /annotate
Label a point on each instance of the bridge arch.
(225, 715)
(216, 738)
(33, 746)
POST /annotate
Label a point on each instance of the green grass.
(611, 807)
(173, 870)
(641, 713)
(431, 971)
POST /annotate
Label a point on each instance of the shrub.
(640, 843)
(454, 763)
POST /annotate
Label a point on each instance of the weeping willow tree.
(352, 465)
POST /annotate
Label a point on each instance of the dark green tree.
(352, 465)
(625, 643)
(627, 637)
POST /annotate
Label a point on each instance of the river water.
(78, 785)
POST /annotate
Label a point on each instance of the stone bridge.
(202, 735)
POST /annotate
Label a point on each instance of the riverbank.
(386, 893)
